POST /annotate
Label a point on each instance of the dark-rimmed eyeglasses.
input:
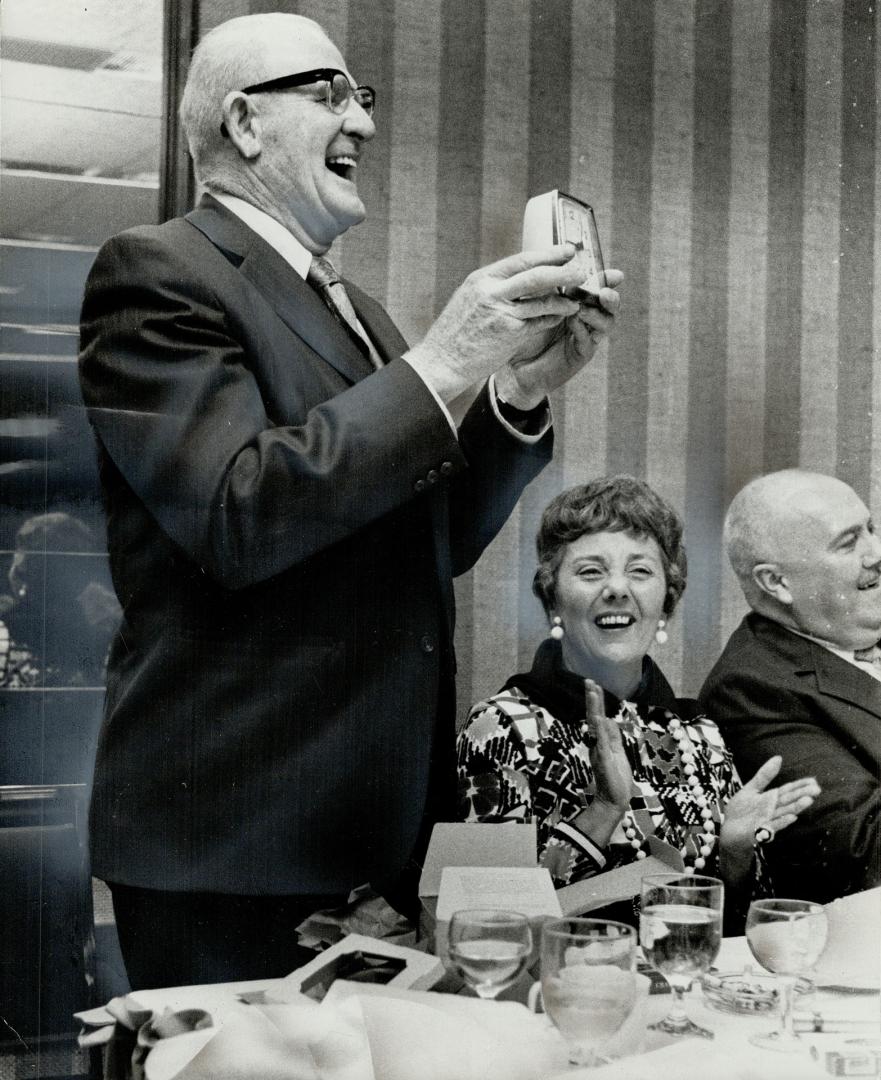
(339, 91)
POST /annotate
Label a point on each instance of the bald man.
(290, 492)
(801, 675)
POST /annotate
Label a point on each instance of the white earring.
(661, 635)
(557, 630)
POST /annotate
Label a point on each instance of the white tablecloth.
(378, 1033)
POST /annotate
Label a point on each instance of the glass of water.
(680, 931)
(489, 948)
(787, 938)
(588, 982)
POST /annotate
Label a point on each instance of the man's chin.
(353, 213)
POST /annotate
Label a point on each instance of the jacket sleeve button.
(419, 485)
(446, 468)
(432, 476)
(426, 644)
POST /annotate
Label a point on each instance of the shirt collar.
(845, 654)
(270, 230)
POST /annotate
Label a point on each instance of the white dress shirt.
(300, 259)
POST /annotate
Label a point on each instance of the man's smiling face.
(310, 154)
(830, 558)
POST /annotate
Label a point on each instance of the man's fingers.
(765, 774)
(595, 319)
(554, 255)
(610, 300)
(560, 307)
(613, 279)
(583, 335)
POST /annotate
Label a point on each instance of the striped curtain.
(730, 149)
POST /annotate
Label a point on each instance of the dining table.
(270, 1029)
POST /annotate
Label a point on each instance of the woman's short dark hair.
(609, 504)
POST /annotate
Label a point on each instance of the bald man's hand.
(510, 309)
(525, 381)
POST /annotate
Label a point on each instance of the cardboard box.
(488, 847)
(352, 958)
(478, 846)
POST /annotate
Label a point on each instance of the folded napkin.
(357, 1033)
(285, 1041)
(852, 957)
(421, 1035)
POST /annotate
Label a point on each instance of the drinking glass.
(489, 948)
(680, 931)
(787, 938)
(588, 982)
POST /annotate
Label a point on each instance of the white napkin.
(420, 1035)
(852, 957)
(365, 1033)
(301, 1041)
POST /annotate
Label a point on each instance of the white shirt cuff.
(509, 427)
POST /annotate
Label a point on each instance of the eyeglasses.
(339, 91)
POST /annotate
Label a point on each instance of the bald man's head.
(267, 122)
(237, 53)
(803, 547)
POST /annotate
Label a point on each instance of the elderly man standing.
(289, 498)
(801, 675)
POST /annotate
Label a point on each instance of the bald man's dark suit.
(284, 524)
(775, 692)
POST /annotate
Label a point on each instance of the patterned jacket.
(525, 752)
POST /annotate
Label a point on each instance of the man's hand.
(510, 309)
(525, 381)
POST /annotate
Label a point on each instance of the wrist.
(509, 392)
(599, 820)
(735, 858)
(437, 369)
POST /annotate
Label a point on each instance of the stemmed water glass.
(787, 938)
(489, 948)
(588, 982)
(680, 931)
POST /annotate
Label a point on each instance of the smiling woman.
(592, 741)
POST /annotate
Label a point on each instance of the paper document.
(527, 889)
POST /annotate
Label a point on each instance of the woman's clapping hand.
(611, 769)
(757, 806)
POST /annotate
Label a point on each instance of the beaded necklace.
(707, 837)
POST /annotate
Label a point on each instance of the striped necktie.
(326, 281)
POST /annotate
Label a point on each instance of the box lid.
(476, 843)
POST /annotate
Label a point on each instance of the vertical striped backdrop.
(731, 150)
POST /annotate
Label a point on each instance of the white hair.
(227, 58)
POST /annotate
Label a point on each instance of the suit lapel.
(383, 332)
(856, 696)
(838, 678)
(294, 300)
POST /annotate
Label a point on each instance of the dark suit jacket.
(774, 692)
(283, 524)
